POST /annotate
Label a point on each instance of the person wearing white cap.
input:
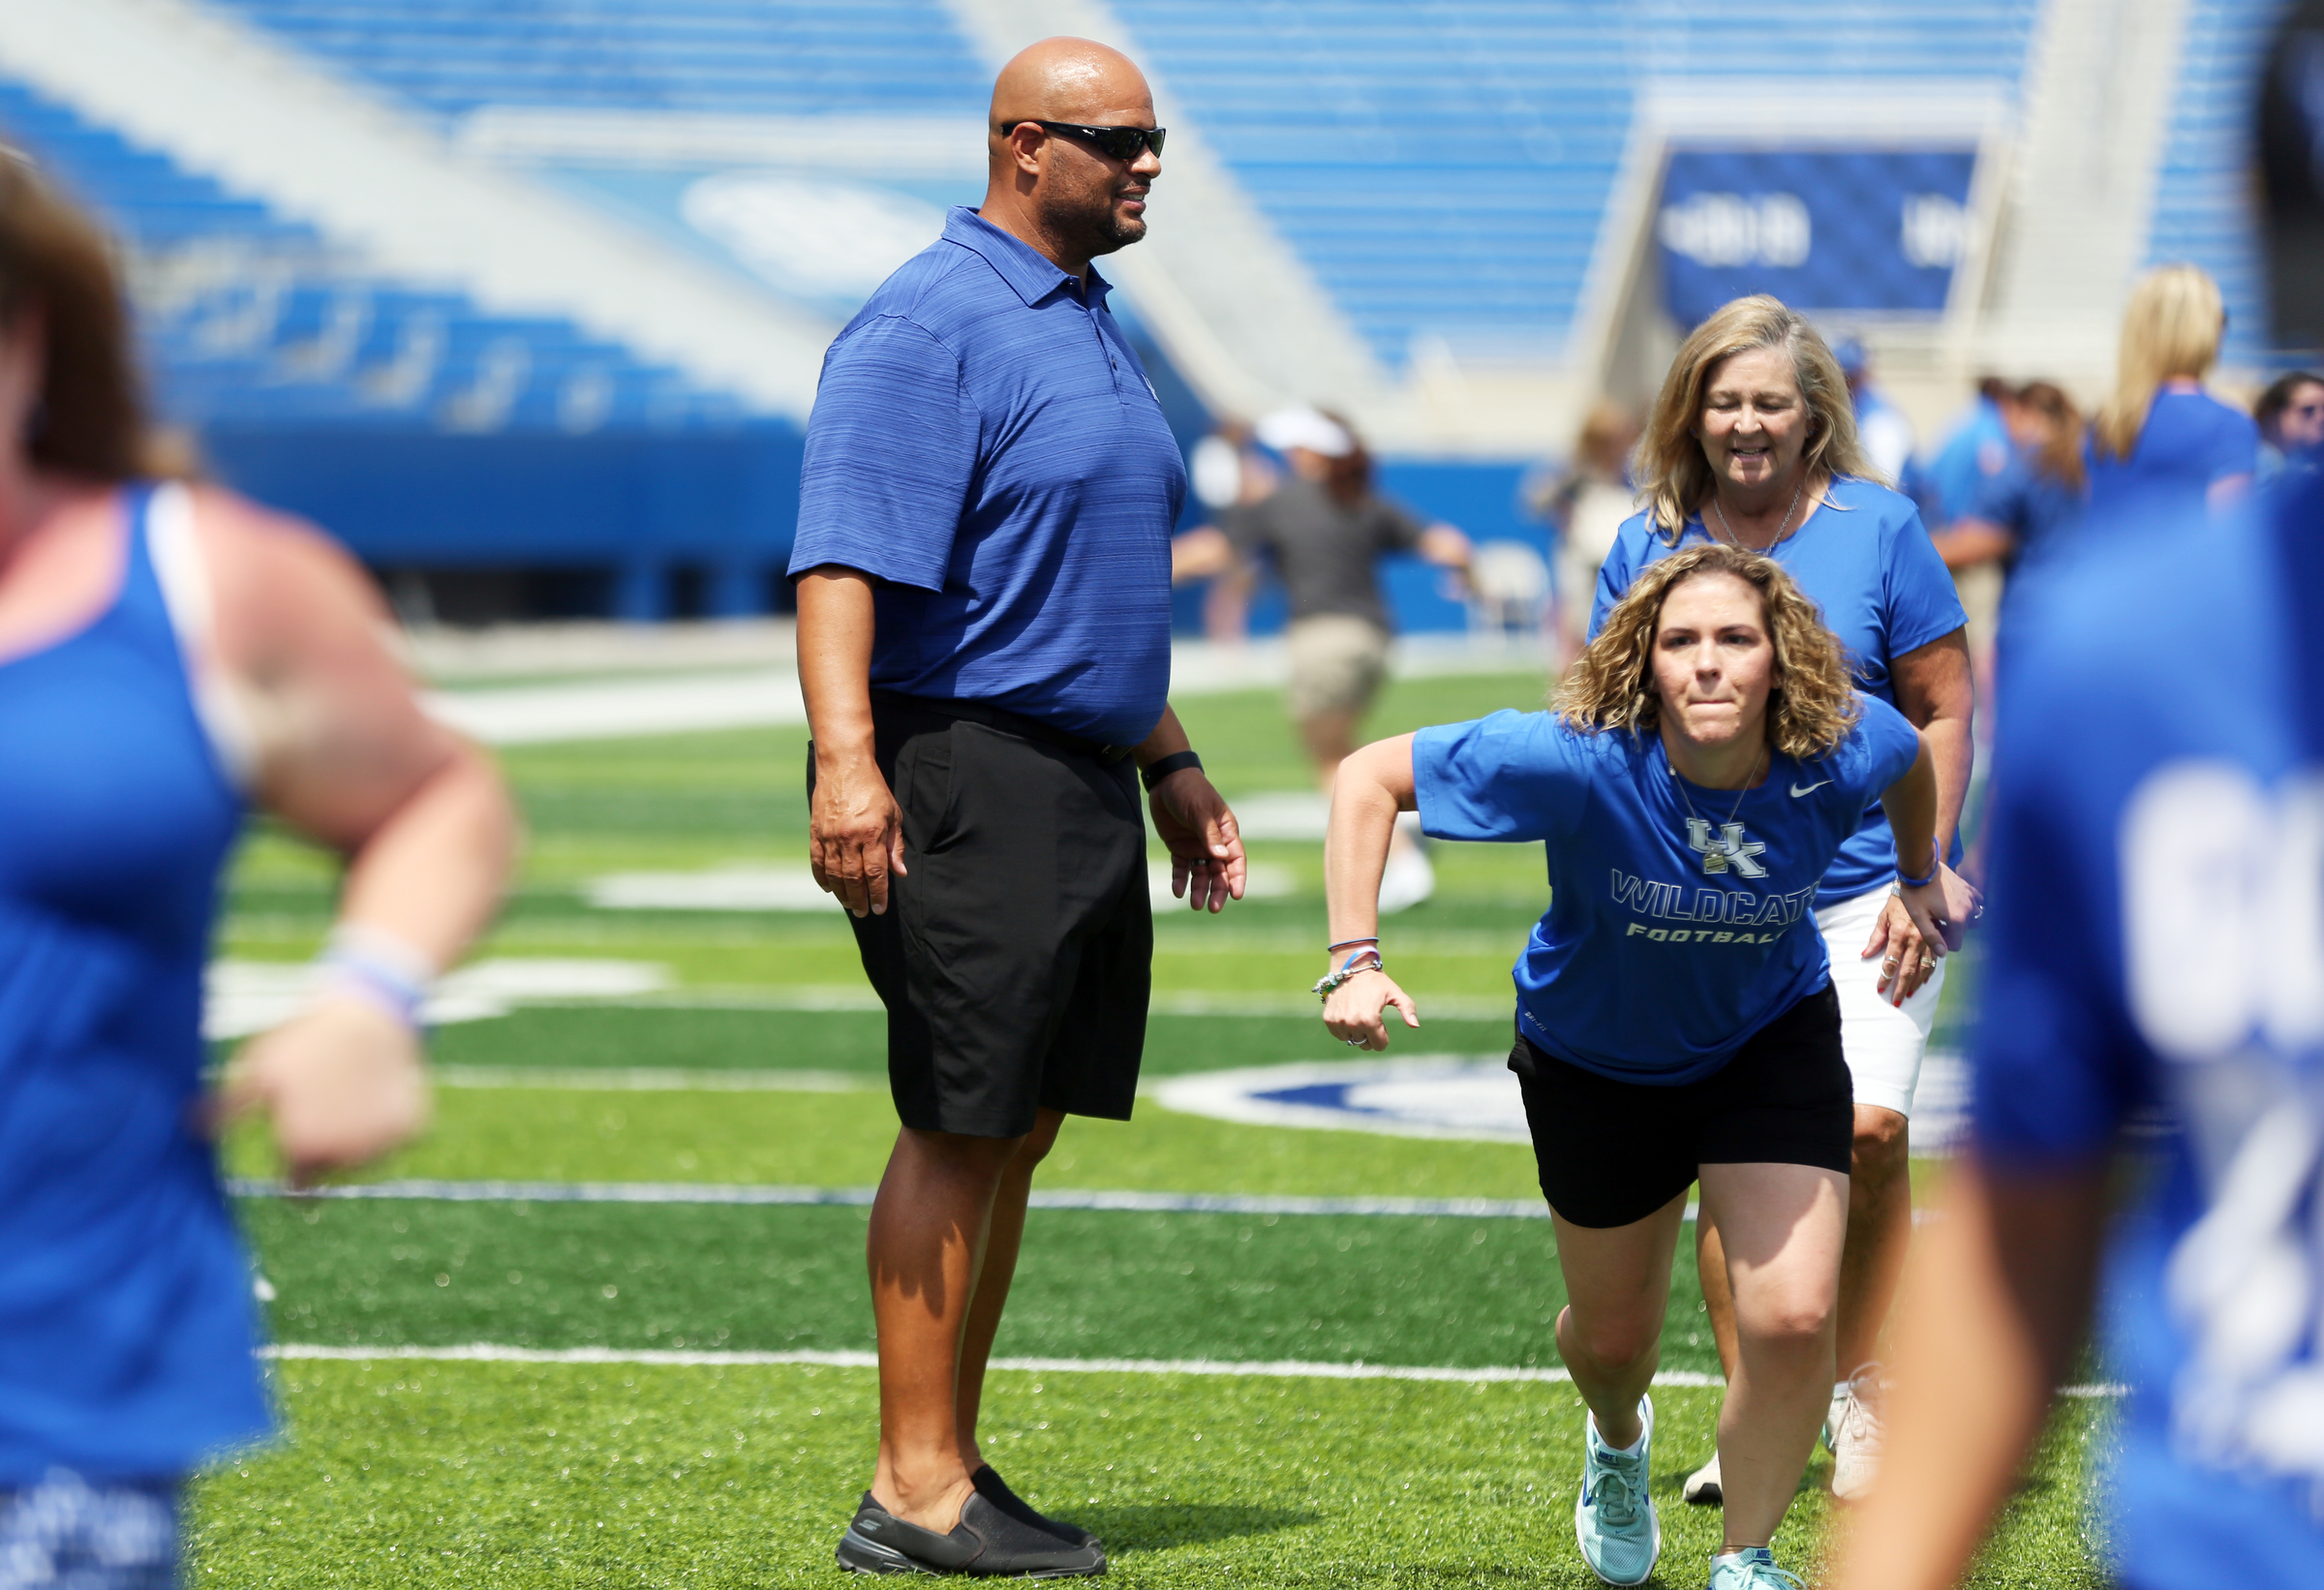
(1324, 531)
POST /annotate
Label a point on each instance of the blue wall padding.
(638, 504)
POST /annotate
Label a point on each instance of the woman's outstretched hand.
(1356, 1011)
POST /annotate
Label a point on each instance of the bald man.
(983, 569)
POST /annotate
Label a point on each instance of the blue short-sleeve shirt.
(2030, 503)
(2152, 943)
(2190, 444)
(1673, 931)
(1864, 557)
(985, 445)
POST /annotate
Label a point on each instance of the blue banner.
(1875, 231)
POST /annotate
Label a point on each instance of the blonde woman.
(1708, 758)
(1753, 445)
(2160, 442)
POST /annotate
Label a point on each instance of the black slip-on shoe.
(994, 1490)
(986, 1544)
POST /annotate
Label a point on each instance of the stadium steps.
(214, 96)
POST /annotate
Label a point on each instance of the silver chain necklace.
(1715, 856)
(1782, 529)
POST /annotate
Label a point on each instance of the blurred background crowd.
(529, 312)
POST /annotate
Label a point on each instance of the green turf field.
(667, 1463)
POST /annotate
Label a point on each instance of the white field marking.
(1281, 1369)
(764, 886)
(1461, 1097)
(745, 1192)
(1288, 1369)
(643, 1079)
(241, 997)
(810, 997)
(519, 714)
(1457, 1098)
(420, 1190)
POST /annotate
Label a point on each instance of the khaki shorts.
(1337, 663)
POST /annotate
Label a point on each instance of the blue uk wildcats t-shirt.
(1865, 559)
(2156, 940)
(1674, 929)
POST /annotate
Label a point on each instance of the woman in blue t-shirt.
(2028, 508)
(1707, 759)
(172, 657)
(1753, 445)
(2159, 441)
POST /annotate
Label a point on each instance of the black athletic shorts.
(1613, 1152)
(1016, 957)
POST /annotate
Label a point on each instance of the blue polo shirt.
(985, 445)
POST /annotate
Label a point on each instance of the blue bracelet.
(381, 977)
(1936, 861)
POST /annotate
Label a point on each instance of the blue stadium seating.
(1442, 165)
(278, 354)
(2200, 212)
(450, 56)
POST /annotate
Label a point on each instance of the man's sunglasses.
(1114, 142)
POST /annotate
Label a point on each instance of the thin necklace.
(1781, 529)
(1715, 859)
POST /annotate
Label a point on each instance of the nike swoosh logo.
(1796, 792)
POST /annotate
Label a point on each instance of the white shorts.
(1884, 1042)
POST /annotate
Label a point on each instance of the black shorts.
(1016, 957)
(1613, 1152)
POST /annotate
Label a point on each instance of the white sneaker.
(1858, 1436)
(1408, 879)
(1703, 1488)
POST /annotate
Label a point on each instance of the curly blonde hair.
(1674, 476)
(1812, 705)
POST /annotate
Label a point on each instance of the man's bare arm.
(855, 833)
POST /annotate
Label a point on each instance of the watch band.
(1162, 767)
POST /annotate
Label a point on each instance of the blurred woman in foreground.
(171, 657)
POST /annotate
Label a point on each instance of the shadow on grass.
(1160, 1527)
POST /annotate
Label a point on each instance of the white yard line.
(1276, 1369)
(653, 1080)
(719, 1192)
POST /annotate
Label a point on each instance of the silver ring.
(1353, 1043)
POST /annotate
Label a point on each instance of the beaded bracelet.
(1347, 969)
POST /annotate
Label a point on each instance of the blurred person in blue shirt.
(1978, 448)
(2157, 983)
(1882, 430)
(2290, 415)
(2025, 510)
(2159, 438)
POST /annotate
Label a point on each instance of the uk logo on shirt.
(1726, 850)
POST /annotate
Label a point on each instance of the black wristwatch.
(1162, 767)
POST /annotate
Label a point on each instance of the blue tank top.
(126, 1330)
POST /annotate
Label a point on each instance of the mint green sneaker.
(1750, 1569)
(1613, 1516)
